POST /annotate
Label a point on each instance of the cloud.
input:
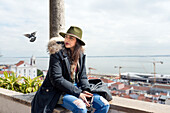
(122, 27)
(18, 18)
(110, 27)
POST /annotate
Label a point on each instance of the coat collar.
(54, 47)
(68, 65)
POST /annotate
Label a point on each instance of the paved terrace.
(14, 102)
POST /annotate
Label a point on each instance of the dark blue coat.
(57, 81)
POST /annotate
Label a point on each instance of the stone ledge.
(124, 104)
(118, 104)
(18, 97)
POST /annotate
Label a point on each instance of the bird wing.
(27, 35)
(33, 34)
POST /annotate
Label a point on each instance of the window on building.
(24, 72)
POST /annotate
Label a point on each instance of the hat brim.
(63, 35)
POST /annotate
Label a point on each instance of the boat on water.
(146, 77)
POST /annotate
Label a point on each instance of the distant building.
(107, 81)
(125, 90)
(134, 95)
(117, 86)
(138, 89)
(23, 68)
(161, 88)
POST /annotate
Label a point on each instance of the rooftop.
(19, 63)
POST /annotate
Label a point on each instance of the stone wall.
(14, 102)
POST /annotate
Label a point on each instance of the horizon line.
(95, 56)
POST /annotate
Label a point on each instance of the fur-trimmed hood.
(54, 47)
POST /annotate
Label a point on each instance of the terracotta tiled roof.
(125, 88)
(155, 101)
(2, 72)
(5, 67)
(117, 78)
(156, 95)
(106, 80)
(19, 63)
(113, 92)
(109, 87)
(127, 96)
(141, 97)
(163, 94)
(162, 87)
(147, 100)
(123, 93)
(139, 88)
(141, 94)
(92, 78)
(117, 83)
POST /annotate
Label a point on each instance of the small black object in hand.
(90, 100)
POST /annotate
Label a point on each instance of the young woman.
(66, 82)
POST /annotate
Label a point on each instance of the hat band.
(73, 35)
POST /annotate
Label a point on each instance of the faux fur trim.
(53, 47)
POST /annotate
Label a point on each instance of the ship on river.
(146, 77)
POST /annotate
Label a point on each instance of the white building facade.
(22, 68)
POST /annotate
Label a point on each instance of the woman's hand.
(88, 93)
(85, 95)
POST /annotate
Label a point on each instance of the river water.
(106, 65)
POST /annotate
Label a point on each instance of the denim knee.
(100, 104)
(106, 108)
(79, 110)
(106, 104)
(80, 107)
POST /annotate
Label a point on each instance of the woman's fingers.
(88, 93)
(83, 96)
(86, 102)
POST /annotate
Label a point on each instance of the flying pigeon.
(31, 36)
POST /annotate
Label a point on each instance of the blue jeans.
(76, 105)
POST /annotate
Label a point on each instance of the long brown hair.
(74, 56)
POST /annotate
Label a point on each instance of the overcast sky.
(110, 27)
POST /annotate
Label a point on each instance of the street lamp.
(119, 71)
(154, 64)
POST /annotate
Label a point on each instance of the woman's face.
(70, 42)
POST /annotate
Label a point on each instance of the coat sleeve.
(84, 84)
(58, 80)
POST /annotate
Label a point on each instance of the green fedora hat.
(75, 32)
